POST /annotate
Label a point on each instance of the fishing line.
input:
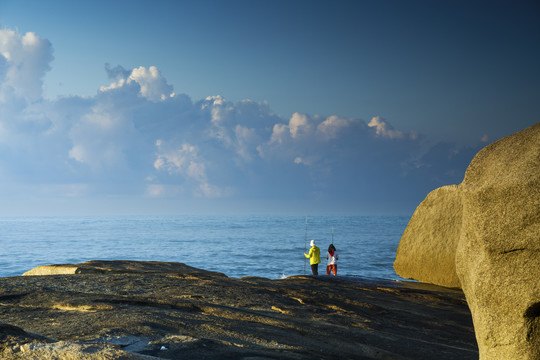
(305, 248)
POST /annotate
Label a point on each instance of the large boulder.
(427, 249)
(498, 254)
(484, 236)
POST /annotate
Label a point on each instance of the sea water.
(238, 246)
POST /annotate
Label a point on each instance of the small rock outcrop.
(489, 228)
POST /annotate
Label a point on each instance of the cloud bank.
(137, 138)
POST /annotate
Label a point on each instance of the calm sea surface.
(267, 246)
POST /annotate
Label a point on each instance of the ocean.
(238, 246)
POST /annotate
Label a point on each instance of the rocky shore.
(151, 310)
(483, 236)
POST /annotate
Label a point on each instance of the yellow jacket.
(314, 255)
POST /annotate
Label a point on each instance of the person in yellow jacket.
(314, 257)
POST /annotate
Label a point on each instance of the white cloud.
(177, 160)
(78, 153)
(101, 138)
(246, 140)
(334, 126)
(237, 126)
(299, 125)
(136, 136)
(152, 85)
(310, 140)
(216, 100)
(302, 128)
(221, 115)
(384, 129)
(186, 161)
(24, 60)
(115, 85)
(279, 133)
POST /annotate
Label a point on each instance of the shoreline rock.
(484, 236)
(498, 254)
(427, 249)
(151, 310)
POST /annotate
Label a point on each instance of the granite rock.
(132, 310)
(498, 255)
(427, 249)
(484, 236)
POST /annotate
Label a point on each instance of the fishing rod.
(305, 248)
(332, 235)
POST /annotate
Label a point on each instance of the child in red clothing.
(332, 258)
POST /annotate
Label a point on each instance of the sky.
(172, 107)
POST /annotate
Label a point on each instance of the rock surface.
(427, 249)
(489, 226)
(150, 310)
(498, 255)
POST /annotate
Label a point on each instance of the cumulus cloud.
(118, 72)
(332, 126)
(178, 160)
(98, 138)
(309, 140)
(24, 60)
(246, 140)
(151, 84)
(239, 127)
(186, 161)
(384, 129)
(220, 112)
(299, 125)
(279, 133)
(137, 136)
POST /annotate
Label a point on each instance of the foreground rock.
(149, 310)
(498, 256)
(427, 250)
(489, 227)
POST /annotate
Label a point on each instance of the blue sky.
(255, 106)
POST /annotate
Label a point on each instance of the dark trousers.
(315, 269)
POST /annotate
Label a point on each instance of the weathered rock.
(498, 255)
(427, 249)
(59, 269)
(17, 344)
(122, 267)
(173, 311)
(8, 331)
(494, 215)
